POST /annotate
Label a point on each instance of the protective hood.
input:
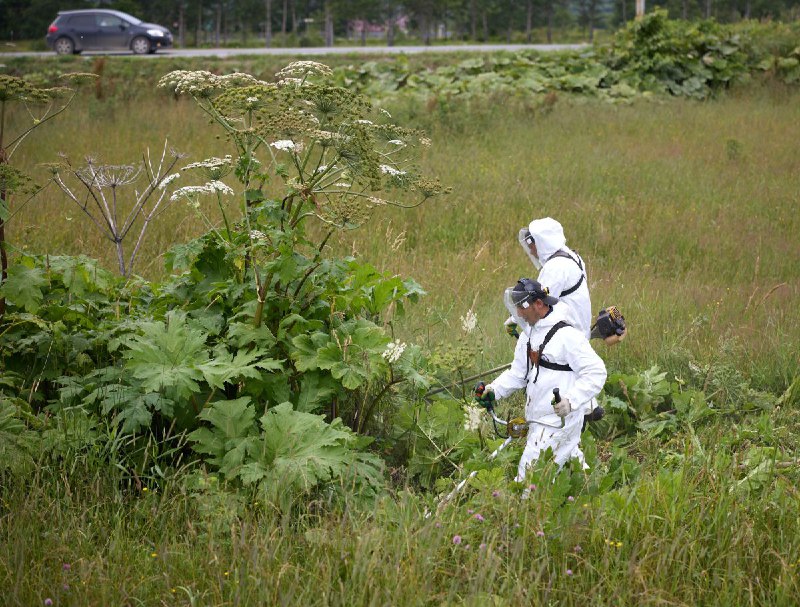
(524, 234)
(549, 237)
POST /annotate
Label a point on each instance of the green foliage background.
(685, 211)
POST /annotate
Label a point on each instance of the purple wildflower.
(540, 533)
(569, 571)
(495, 493)
(66, 567)
(48, 601)
(478, 517)
(456, 539)
(570, 499)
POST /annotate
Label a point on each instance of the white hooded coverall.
(560, 273)
(580, 385)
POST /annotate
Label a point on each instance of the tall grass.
(687, 216)
(685, 212)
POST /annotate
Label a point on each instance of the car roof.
(80, 11)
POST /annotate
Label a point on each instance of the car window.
(82, 21)
(110, 21)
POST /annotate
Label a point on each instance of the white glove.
(563, 407)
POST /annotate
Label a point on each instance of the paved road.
(337, 50)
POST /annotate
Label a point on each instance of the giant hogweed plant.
(275, 359)
(40, 104)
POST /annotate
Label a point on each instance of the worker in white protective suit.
(550, 353)
(563, 271)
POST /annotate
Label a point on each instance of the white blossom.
(167, 180)
(388, 170)
(283, 144)
(220, 187)
(393, 351)
(362, 121)
(472, 418)
(469, 321)
(257, 235)
(396, 142)
(193, 191)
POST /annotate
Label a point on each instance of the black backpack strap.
(547, 364)
(579, 262)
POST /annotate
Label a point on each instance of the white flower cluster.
(304, 68)
(388, 170)
(211, 164)
(167, 180)
(472, 418)
(469, 321)
(284, 145)
(201, 82)
(393, 351)
(193, 191)
(257, 235)
(362, 121)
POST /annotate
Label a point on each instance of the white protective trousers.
(580, 385)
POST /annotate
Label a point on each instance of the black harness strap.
(573, 288)
(545, 363)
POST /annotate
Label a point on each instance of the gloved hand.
(484, 396)
(562, 407)
(511, 327)
(513, 330)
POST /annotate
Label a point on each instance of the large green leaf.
(168, 356)
(23, 287)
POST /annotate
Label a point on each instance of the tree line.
(320, 22)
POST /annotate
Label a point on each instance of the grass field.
(687, 214)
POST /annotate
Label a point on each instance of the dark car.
(90, 30)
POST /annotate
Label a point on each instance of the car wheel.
(140, 45)
(64, 46)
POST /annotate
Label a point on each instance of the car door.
(112, 31)
(85, 30)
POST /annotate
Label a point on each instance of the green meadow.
(688, 215)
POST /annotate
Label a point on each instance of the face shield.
(525, 239)
(511, 306)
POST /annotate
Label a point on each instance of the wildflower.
(144, 489)
(495, 493)
(470, 511)
(570, 499)
(362, 121)
(48, 601)
(393, 351)
(482, 547)
(388, 170)
(457, 539)
(304, 68)
(569, 571)
(257, 235)
(385, 112)
(478, 517)
(167, 180)
(578, 548)
(213, 168)
(66, 567)
(540, 533)
(472, 419)
(283, 144)
(469, 321)
(532, 487)
(154, 554)
(438, 525)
